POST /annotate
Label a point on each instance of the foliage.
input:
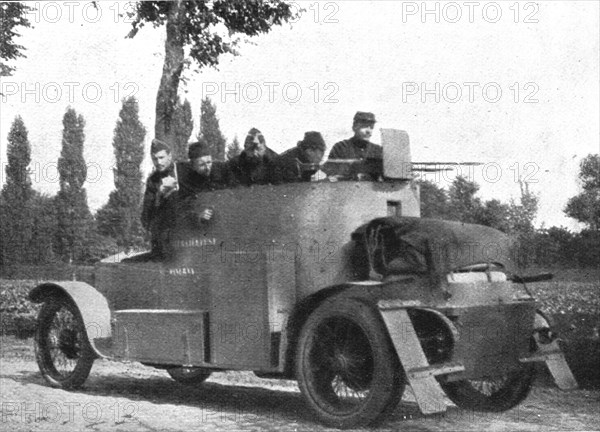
(17, 193)
(464, 206)
(200, 31)
(73, 215)
(12, 14)
(233, 149)
(184, 124)
(44, 226)
(119, 218)
(210, 130)
(585, 207)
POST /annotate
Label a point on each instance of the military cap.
(364, 117)
(312, 140)
(198, 149)
(158, 145)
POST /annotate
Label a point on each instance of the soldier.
(359, 146)
(201, 174)
(255, 165)
(309, 151)
(160, 186)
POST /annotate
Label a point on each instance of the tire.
(189, 376)
(495, 394)
(346, 367)
(62, 350)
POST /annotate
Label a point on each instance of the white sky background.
(364, 61)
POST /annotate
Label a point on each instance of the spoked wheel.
(62, 350)
(492, 394)
(346, 366)
(189, 376)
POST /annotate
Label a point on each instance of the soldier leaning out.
(199, 175)
(300, 163)
(256, 163)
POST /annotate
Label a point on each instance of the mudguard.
(92, 305)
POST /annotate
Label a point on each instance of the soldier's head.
(312, 147)
(160, 152)
(255, 145)
(363, 125)
(200, 157)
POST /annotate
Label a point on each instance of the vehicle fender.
(384, 305)
(92, 305)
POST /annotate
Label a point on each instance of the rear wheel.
(346, 367)
(62, 350)
(189, 376)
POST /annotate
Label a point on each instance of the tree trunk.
(166, 98)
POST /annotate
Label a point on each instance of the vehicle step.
(434, 370)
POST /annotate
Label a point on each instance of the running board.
(419, 373)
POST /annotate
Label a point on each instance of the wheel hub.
(67, 342)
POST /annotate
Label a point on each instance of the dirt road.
(132, 397)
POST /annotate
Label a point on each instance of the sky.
(513, 85)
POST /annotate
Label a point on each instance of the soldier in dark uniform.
(359, 146)
(301, 162)
(201, 174)
(161, 185)
(256, 163)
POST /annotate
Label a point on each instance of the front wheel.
(346, 367)
(492, 394)
(62, 349)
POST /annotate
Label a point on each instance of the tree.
(12, 14)
(184, 124)
(120, 217)
(496, 215)
(44, 227)
(73, 215)
(206, 30)
(210, 130)
(17, 193)
(464, 205)
(434, 200)
(234, 148)
(585, 207)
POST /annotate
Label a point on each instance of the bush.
(17, 313)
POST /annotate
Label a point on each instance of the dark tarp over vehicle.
(409, 245)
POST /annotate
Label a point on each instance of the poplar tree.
(234, 149)
(74, 220)
(17, 194)
(210, 130)
(120, 217)
(184, 124)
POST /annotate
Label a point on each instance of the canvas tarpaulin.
(407, 245)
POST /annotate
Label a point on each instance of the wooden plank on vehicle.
(428, 393)
(557, 365)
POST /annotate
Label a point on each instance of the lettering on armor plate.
(182, 271)
(194, 242)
